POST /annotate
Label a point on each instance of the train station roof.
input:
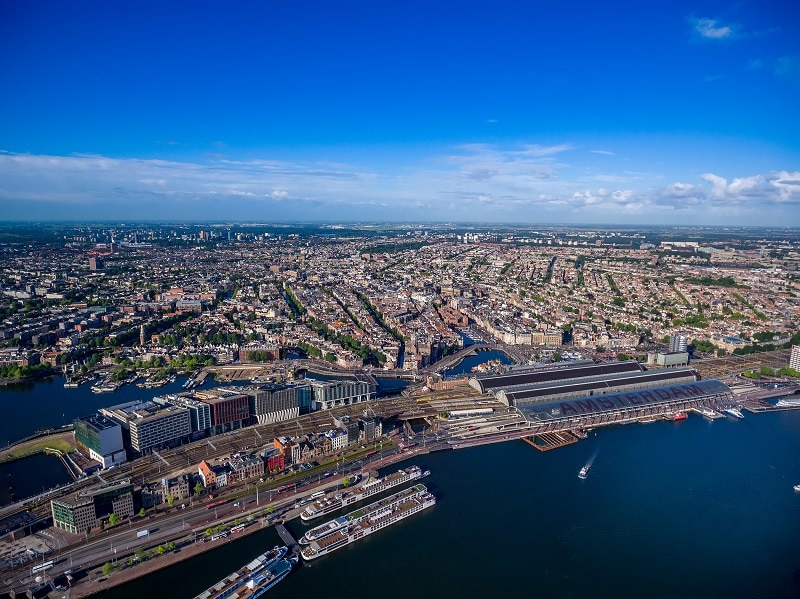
(599, 404)
(601, 385)
(565, 374)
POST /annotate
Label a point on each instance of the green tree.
(198, 488)
(162, 550)
(346, 482)
(142, 513)
(113, 519)
(140, 555)
(209, 532)
(170, 500)
(108, 568)
(171, 546)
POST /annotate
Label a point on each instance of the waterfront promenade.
(187, 528)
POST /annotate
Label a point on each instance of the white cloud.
(604, 152)
(710, 29)
(773, 187)
(476, 182)
(719, 185)
(787, 184)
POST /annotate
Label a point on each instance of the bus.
(238, 528)
(317, 495)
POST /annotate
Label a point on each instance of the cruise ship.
(365, 521)
(234, 583)
(326, 505)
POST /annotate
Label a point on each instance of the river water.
(695, 508)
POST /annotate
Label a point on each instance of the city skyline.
(566, 114)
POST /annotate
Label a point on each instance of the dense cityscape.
(301, 328)
(366, 297)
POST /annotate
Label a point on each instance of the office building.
(86, 509)
(101, 439)
(678, 343)
(794, 358)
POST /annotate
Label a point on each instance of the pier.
(548, 441)
(707, 412)
(288, 539)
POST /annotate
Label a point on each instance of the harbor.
(486, 423)
(582, 517)
(340, 532)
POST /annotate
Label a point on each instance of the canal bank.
(92, 579)
(694, 498)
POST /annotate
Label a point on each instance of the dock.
(288, 539)
(707, 412)
(548, 441)
(759, 407)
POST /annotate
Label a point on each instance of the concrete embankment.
(95, 581)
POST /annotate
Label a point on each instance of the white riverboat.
(327, 505)
(369, 519)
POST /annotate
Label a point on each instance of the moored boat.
(788, 402)
(236, 583)
(734, 411)
(257, 585)
(680, 416)
(369, 519)
(327, 505)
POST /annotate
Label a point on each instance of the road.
(121, 542)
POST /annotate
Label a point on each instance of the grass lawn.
(37, 446)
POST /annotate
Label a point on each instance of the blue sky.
(539, 112)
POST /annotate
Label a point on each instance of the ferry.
(733, 411)
(369, 519)
(680, 416)
(326, 505)
(237, 581)
(584, 472)
(791, 402)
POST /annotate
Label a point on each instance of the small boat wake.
(584, 472)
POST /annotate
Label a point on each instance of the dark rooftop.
(666, 377)
(565, 374)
